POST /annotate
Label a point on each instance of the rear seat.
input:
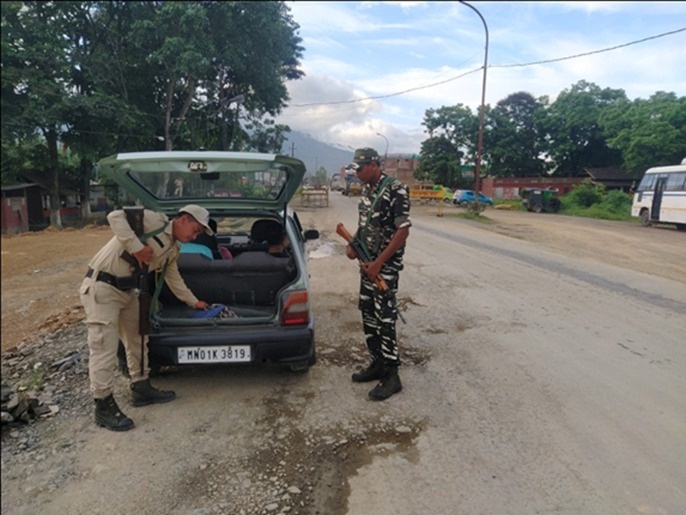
(252, 278)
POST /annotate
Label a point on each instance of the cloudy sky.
(376, 67)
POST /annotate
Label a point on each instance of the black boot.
(373, 372)
(390, 384)
(108, 415)
(143, 393)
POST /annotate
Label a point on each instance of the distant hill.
(316, 154)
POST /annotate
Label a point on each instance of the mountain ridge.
(316, 154)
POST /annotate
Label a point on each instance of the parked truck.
(540, 200)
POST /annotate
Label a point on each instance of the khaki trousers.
(111, 315)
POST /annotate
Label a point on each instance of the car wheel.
(645, 218)
(538, 208)
(302, 367)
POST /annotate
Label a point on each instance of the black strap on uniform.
(153, 234)
(385, 182)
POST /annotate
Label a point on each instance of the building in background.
(402, 167)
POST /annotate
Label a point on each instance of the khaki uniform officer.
(112, 307)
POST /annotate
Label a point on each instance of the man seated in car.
(277, 239)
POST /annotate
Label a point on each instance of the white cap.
(201, 215)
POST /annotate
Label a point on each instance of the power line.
(426, 86)
(624, 45)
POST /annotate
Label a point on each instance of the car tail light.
(296, 309)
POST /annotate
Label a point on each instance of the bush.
(617, 201)
(585, 195)
(591, 201)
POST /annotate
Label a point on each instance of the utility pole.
(479, 152)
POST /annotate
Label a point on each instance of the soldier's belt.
(122, 283)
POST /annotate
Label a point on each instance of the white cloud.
(356, 50)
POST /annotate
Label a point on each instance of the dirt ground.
(41, 271)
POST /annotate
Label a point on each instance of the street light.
(385, 154)
(479, 151)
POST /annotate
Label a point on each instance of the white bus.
(661, 196)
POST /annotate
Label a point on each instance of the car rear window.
(194, 185)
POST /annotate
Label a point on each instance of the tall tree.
(35, 80)
(512, 144)
(107, 76)
(572, 129)
(260, 54)
(648, 132)
(453, 135)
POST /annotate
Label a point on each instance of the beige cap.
(201, 215)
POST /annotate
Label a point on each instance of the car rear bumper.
(282, 345)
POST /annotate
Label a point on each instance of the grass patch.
(471, 216)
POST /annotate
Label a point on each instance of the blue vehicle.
(464, 197)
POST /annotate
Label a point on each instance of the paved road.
(554, 385)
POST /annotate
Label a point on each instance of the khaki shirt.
(163, 246)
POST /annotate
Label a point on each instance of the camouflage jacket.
(383, 208)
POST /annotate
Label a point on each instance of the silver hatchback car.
(261, 301)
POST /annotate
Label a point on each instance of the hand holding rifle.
(144, 256)
(362, 256)
(365, 259)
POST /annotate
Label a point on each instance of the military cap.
(365, 155)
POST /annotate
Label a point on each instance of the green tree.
(453, 133)
(647, 132)
(573, 135)
(253, 67)
(103, 77)
(267, 136)
(512, 143)
(320, 177)
(35, 94)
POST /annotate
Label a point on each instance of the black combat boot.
(108, 415)
(390, 384)
(373, 372)
(143, 393)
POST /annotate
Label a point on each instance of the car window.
(262, 185)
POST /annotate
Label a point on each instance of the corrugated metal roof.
(608, 174)
(19, 186)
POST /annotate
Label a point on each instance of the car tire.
(302, 367)
(645, 218)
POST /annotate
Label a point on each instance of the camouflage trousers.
(379, 315)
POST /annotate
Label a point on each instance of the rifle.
(364, 257)
(134, 216)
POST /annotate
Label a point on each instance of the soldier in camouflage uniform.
(384, 225)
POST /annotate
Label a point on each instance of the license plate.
(222, 354)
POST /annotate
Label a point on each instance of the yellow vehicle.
(431, 192)
(354, 187)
